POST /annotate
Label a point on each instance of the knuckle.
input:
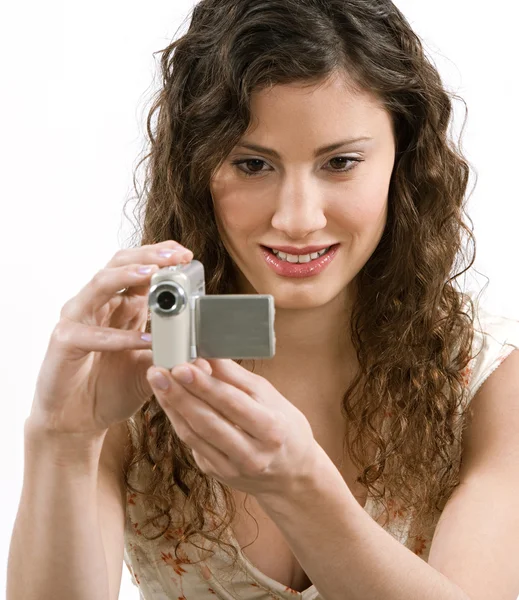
(62, 333)
(261, 385)
(259, 393)
(209, 429)
(204, 385)
(274, 433)
(187, 434)
(255, 467)
(99, 278)
(120, 255)
(276, 437)
(235, 407)
(101, 335)
(65, 309)
(209, 471)
(256, 379)
(279, 426)
(172, 244)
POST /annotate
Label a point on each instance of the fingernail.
(183, 374)
(169, 252)
(159, 380)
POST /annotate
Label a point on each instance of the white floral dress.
(160, 576)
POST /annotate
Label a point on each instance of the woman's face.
(294, 197)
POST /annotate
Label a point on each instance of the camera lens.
(166, 300)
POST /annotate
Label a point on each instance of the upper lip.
(305, 250)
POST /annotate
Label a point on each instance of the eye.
(257, 162)
(237, 163)
(348, 159)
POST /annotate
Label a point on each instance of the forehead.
(329, 105)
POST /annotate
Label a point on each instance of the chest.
(261, 540)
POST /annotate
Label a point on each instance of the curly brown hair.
(411, 329)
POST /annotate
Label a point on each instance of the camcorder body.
(186, 323)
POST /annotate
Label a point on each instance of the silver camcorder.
(186, 324)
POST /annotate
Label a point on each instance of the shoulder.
(479, 521)
(495, 338)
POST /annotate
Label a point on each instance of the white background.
(76, 80)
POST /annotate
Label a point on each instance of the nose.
(299, 208)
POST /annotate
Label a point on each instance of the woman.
(301, 150)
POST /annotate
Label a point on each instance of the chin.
(303, 297)
(290, 303)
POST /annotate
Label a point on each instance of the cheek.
(236, 208)
(364, 204)
(362, 213)
(238, 214)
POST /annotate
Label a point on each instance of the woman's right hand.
(94, 371)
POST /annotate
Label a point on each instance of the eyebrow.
(318, 152)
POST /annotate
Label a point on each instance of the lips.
(299, 270)
(299, 251)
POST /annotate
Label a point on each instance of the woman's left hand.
(241, 430)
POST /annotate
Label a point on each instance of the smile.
(299, 258)
(300, 265)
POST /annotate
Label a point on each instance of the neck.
(314, 342)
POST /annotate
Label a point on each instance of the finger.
(107, 282)
(205, 421)
(178, 254)
(231, 372)
(231, 402)
(102, 287)
(70, 335)
(148, 254)
(143, 362)
(201, 363)
(209, 458)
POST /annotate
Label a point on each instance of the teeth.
(299, 258)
